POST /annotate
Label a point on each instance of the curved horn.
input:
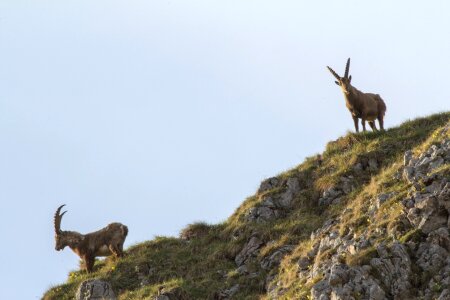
(57, 219)
(347, 67)
(334, 73)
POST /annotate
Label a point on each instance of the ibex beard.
(104, 242)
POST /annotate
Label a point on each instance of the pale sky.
(158, 114)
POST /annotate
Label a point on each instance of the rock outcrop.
(250, 250)
(95, 290)
(274, 206)
(413, 269)
(410, 269)
(428, 206)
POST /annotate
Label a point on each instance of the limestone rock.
(381, 198)
(321, 290)
(392, 273)
(408, 174)
(95, 289)
(440, 237)
(427, 214)
(395, 271)
(274, 206)
(407, 157)
(431, 257)
(445, 295)
(330, 195)
(249, 250)
(275, 257)
(338, 274)
(262, 214)
(269, 184)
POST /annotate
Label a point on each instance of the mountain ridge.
(331, 228)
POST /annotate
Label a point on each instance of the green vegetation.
(201, 263)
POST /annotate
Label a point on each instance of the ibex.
(104, 242)
(364, 106)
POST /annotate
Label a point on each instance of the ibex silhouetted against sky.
(105, 242)
(364, 106)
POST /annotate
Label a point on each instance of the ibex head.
(60, 236)
(343, 82)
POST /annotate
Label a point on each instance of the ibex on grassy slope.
(364, 106)
(104, 242)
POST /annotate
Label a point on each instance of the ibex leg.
(372, 125)
(380, 122)
(120, 246)
(355, 120)
(89, 263)
(116, 250)
(363, 122)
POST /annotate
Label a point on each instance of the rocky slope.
(408, 259)
(366, 219)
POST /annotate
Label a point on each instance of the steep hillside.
(367, 219)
